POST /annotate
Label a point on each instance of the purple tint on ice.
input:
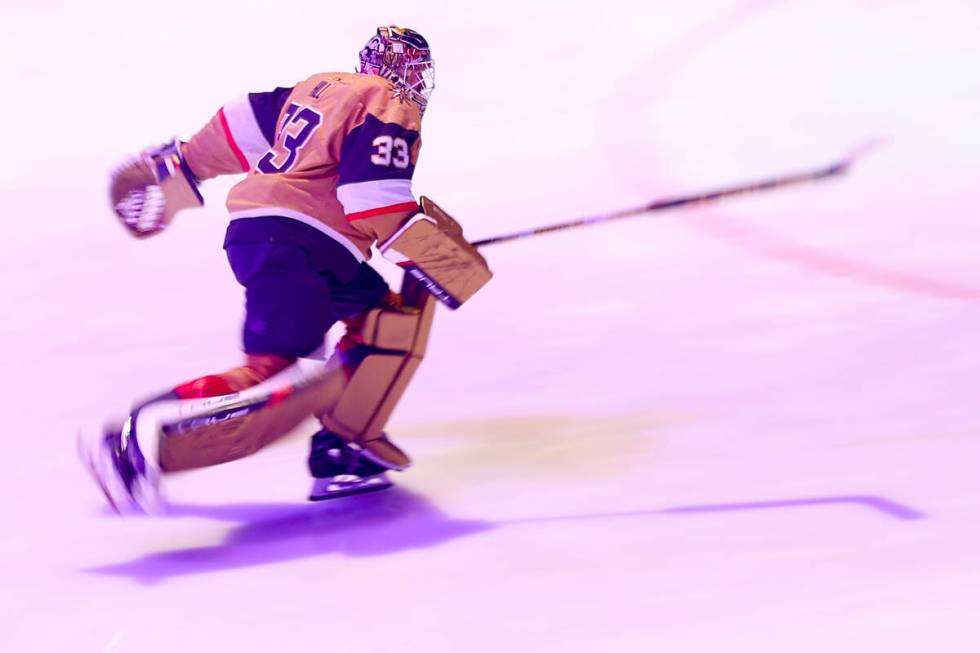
(372, 524)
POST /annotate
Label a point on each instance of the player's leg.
(288, 309)
(384, 346)
(380, 353)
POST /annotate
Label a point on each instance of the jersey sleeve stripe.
(242, 161)
(368, 195)
(245, 130)
(360, 215)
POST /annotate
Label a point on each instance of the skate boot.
(118, 467)
(341, 469)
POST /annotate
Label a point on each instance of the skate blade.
(336, 488)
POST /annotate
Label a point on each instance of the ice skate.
(340, 469)
(117, 466)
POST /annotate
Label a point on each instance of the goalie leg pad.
(391, 346)
(238, 425)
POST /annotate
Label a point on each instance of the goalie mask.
(402, 56)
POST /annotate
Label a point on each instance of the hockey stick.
(832, 170)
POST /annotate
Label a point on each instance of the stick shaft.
(677, 202)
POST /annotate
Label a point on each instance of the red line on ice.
(771, 246)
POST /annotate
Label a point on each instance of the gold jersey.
(335, 152)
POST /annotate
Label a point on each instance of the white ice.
(752, 426)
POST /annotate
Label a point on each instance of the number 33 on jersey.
(383, 156)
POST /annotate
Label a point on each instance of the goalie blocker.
(430, 248)
(354, 394)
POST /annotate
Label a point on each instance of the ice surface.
(747, 427)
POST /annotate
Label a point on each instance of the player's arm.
(147, 190)
(377, 161)
(376, 167)
(236, 136)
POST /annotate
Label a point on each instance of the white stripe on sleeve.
(367, 195)
(245, 129)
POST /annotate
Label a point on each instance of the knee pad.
(380, 357)
(257, 368)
